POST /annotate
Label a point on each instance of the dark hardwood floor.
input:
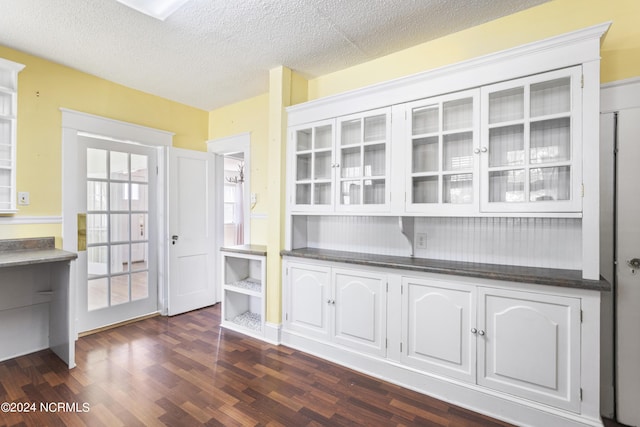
(187, 371)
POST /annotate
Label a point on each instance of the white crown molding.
(22, 220)
(14, 66)
(561, 51)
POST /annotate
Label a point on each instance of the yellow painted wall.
(45, 87)
(251, 115)
(620, 48)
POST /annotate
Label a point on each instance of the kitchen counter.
(540, 276)
(18, 252)
(246, 249)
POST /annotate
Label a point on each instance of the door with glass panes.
(119, 264)
(443, 154)
(313, 165)
(363, 159)
(530, 160)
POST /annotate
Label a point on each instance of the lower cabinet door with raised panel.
(308, 293)
(438, 319)
(360, 310)
(529, 346)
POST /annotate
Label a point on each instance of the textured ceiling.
(215, 52)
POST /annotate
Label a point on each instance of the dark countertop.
(16, 252)
(246, 249)
(540, 276)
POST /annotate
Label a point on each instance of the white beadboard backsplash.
(376, 235)
(533, 242)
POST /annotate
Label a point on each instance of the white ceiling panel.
(211, 53)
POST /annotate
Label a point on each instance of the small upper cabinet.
(312, 166)
(8, 115)
(441, 162)
(531, 157)
(363, 161)
(341, 164)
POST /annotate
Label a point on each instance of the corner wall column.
(280, 83)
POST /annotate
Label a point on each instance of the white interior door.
(628, 279)
(118, 271)
(192, 260)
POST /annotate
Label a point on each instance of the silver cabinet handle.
(476, 150)
(474, 330)
(484, 149)
(481, 332)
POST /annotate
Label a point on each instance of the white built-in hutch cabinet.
(442, 231)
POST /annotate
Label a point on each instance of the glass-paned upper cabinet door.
(363, 159)
(442, 153)
(531, 151)
(312, 167)
(8, 117)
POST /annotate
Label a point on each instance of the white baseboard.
(272, 332)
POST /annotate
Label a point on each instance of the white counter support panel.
(35, 299)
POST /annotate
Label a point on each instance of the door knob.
(634, 264)
(174, 239)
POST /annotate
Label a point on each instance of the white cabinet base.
(558, 386)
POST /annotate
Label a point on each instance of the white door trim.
(231, 144)
(74, 122)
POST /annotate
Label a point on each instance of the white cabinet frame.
(8, 136)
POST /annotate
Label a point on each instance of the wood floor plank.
(187, 371)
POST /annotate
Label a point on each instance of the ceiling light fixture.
(159, 9)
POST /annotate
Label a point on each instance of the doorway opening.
(234, 181)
